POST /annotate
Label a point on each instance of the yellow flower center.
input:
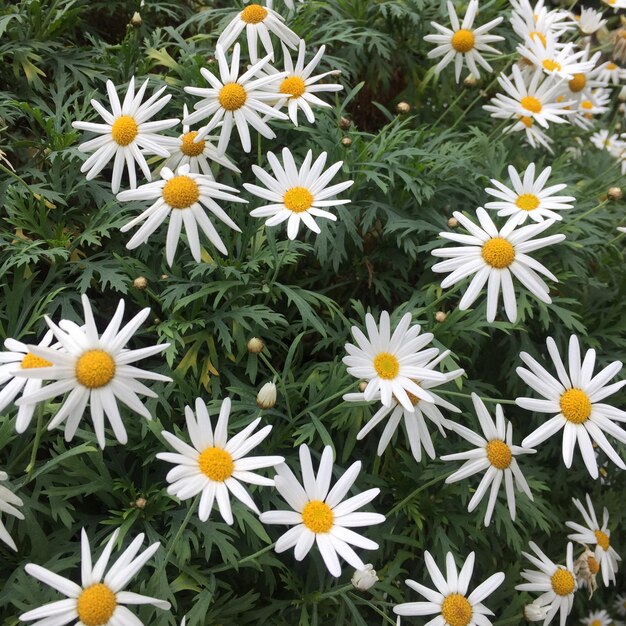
(586, 104)
(293, 85)
(527, 202)
(551, 66)
(594, 567)
(540, 36)
(463, 40)
(30, 360)
(254, 14)
(530, 103)
(216, 463)
(386, 365)
(577, 83)
(596, 622)
(124, 130)
(95, 369)
(527, 121)
(317, 516)
(180, 192)
(575, 406)
(95, 605)
(499, 454)
(456, 610)
(611, 66)
(498, 253)
(232, 96)
(563, 582)
(602, 539)
(188, 147)
(298, 199)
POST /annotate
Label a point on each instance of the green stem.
(589, 212)
(415, 492)
(14, 175)
(449, 108)
(281, 382)
(179, 533)
(484, 399)
(251, 557)
(335, 592)
(278, 264)
(510, 620)
(338, 394)
(30, 468)
(372, 606)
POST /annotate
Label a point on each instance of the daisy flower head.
(95, 369)
(603, 140)
(234, 99)
(297, 195)
(462, 43)
(600, 535)
(182, 197)
(415, 424)
(99, 599)
(596, 103)
(529, 197)
(559, 61)
(597, 618)
(216, 465)
(494, 453)
(590, 21)
(290, 4)
(611, 73)
(620, 605)
(535, 23)
(391, 363)
(8, 504)
(451, 601)
(556, 583)
(320, 515)
(534, 136)
(615, 4)
(495, 257)
(575, 397)
(583, 83)
(127, 135)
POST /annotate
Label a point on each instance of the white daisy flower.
(100, 598)
(95, 369)
(239, 100)
(126, 134)
(620, 604)
(534, 135)
(610, 73)
(19, 355)
(290, 4)
(597, 618)
(297, 195)
(495, 256)
(462, 43)
(537, 23)
(215, 465)
(451, 602)
(529, 95)
(321, 515)
(590, 21)
(529, 197)
(199, 155)
(258, 22)
(392, 363)
(576, 398)
(496, 454)
(559, 61)
(593, 533)
(181, 197)
(583, 83)
(615, 4)
(603, 140)
(415, 426)
(596, 103)
(556, 583)
(8, 503)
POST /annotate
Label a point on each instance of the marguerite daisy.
(620, 605)
(215, 465)
(321, 515)
(181, 197)
(126, 134)
(290, 4)
(451, 602)
(611, 73)
(596, 102)
(597, 618)
(556, 583)
(462, 43)
(100, 598)
(297, 195)
(593, 533)
(534, 135)
(616, 4)
(494, 256)
(95, 369)
(392, 363)
(239, 100)
(590, 21)
(529, 197)
(535, 23)
(576, 398)
(8, 503)
(559, 61)
(602, 140)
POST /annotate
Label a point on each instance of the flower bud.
(344, 123)
(535, 612)
(453, 222)
(614, 193)
(266, 398)
(441, 316)
(346, 141)
(403, 108)
(141, 282)
(135, 20)
(470, 81)
(364, 579)
(362, 386)
(621, 96)
(255, 345)
(164, 276)
(140, 503)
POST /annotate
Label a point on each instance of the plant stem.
(415, 492)
(484, 399)
(33, 455)
(179, 533)
(326, 400)
(589, 212)
(510, 620)
(281, 382)
(251, 557)
(372, 606)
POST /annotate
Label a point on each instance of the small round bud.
(135, 20)
(266, 398)
(470, 81)
(362, 386)
(141, 282)
(453, 222)
(441, 316)
(535, 612)
(346, 141)
(140, 503)
(164, 276)
(614, 193)
(156, 321)
(364, 579)
(403, 108)
(255, 345)
(344, 123)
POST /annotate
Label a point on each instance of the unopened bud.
(614, 193)
(453, 222)
(441, 316)
(135, 20)
(164, 276)
(266, 398)
(622, 94)
(141, 282)
(346, 141)
(255, 345)
(535, 612)
(362, 386)
(344, 123)
(140, 503)
(403, 108)
(364, 579)
(470, 81)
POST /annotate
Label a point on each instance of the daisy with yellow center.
(463, 43)
(555, 59)
(495, 453)
(597, 618)
(615, 4)
(216, 466)
(599, 535)
(100, 599)
(593, 103)
(556, 583)
(297, 195)
(320, 514)
(495, 257)
(234, 100)
(451, 600)
(95, 369)
(182, 198)
(391, 363)
(536, 22)
(290, 4)
(529, 198)
(8, 505)
(126, 136)
(577, 397)
(610, 73)
(620, 605)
